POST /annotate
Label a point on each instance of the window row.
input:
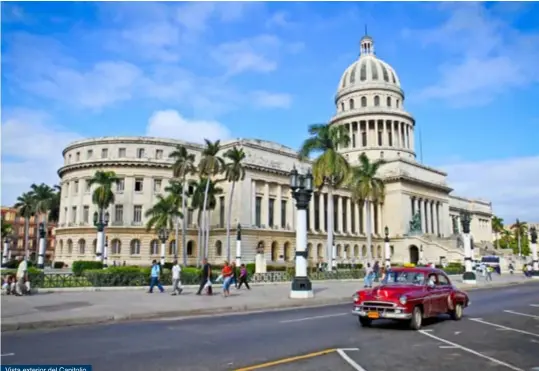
(158, 154)
(73, 187)
(389, 102)
(115, 247)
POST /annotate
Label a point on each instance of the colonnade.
(380, 133)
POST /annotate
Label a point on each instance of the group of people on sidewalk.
(19, 284)
(229, 275)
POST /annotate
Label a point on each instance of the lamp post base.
(302, 288)
(469, 278)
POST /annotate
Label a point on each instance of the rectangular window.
(77, 156)
(390, 138)
(120, 185)
(326, 214)
(353, 218)
(121, 152)
(89, 154)
(74, 214)
(271, 211)
(335, 214)
(76, 187)
(258, 212)
(86, 214)
(222, 212)
(137, 214)
(353, 140)
(159, 154)
(157, 185)
(87, 187)
(69, 159)
(140, 152)
(364, 139)
(283, 213)
(316, 211)
(344, 217)
(380, 134)
(139, 184)
(104, 153)
(118, 213)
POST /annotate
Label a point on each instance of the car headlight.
(403, 299)
(355, 297)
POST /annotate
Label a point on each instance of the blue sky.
(268, 70)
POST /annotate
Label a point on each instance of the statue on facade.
(415, 223)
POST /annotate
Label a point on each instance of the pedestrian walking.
(489, 273)
(227, 278)
(376, 271)
(243, 277)
(176, 279)
(368, 276)
(205, 278)
(21, 288)
(155, 277)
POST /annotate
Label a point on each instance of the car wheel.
(417, 319)
(365, 322)
(456, 314)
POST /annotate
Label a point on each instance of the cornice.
(364, 87)
(358, 113)
(405, 178)
(143, 163)
(471, 200)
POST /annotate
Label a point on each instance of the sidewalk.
(49, 310)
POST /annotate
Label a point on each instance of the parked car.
(410, 294)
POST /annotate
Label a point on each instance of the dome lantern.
(366, 44)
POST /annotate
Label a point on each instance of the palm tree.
(26, 206)
(175, 190)
(497, 228)
(6, 228)
(163, 213)
(234, 172)
(330, 168)
(184, 164)
(43, 195)
(366, 189)
(54, 211)
(210, 165)
(197, 202)
(519, 229)
(103, 196)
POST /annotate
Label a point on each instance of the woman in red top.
(227, 278)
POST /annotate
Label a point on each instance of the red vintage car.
(410, 294)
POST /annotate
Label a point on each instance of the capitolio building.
(420, 211)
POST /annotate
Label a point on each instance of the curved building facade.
(369, 103)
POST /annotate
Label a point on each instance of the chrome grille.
(379, 304)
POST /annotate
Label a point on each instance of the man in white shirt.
(22, 277)
(176, 280)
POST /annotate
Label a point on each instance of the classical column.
(278, 206)
(311, 214)
(437, 218)
(339, 215)
(349, 212)
(321, 211)
(351, 133)
(426, 213)
(357, 221)
(421, 210)
(265, 205)
(253, 202)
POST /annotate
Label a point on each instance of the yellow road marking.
(287, 360)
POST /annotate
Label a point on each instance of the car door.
(445, 289)
(432, 297)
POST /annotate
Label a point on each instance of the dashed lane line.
(8, 354)
(315, 317)
(521, 314)
(471, 351)
(480, 320)
(287, 360)
(349, 360)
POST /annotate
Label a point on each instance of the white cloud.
(485, 55)
(512, 185)
(31, 151)
(272, 100)
(171, 124)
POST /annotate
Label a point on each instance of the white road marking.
(471, 351)
(479, 320)
(457, 332)
(448, 347)
(521, 314)
(8, 354)
(349, 360)
(534, 305)
(315, 317)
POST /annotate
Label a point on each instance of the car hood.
(392, 292)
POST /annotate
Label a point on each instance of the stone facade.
(370, 105)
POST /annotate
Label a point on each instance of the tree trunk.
(206, 228)
(228, 222)
(330, 229)
(184, 225)
(199, 242)
(26, 236)
(369, 231)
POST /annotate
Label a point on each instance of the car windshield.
(404, 278)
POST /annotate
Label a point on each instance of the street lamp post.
(387, 248)
(5, 253)
(238, 246)
(101, 220)
(163, 236)
(106, 253)
(469, 274)
(42, 247)
(535, 260)
(302, 189)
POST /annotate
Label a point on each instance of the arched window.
(363, 101)
(376, 100)
(115, 247)
(364, 251)
(134, 247)
(61, 247)
(154, 247)
(353, 75)
(342, 106)
(374, 71)
(397, 103)
(218, 248)
(351, 104)
(82, 246)
(388, 101)
(70, 246)
(190, 248)
(172, 247)
(363, 72)
(384, 71)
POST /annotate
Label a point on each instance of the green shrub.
(58, 265)
(14, 264)
(80, 266)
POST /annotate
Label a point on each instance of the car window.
(433, 278)
(443, 280)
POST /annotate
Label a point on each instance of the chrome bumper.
(384, 314)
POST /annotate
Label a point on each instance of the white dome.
(368, 72)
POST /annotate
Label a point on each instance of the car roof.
(417, 269)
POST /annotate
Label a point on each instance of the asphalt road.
(500, 331)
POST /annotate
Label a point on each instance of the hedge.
(80, 266)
